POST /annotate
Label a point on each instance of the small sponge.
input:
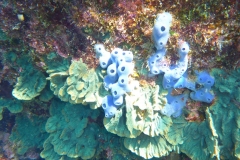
(112, 71)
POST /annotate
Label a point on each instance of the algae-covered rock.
(148, 147)
(14, 106)
(237, 137)
(78, 85)
(71, 134)
(28, 133)
(56, 64)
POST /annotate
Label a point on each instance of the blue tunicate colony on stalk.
(119, 65)
(175, 75)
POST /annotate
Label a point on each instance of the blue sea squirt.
(175, 75)
(119, 66)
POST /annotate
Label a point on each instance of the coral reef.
(74, 132)
(54, 80)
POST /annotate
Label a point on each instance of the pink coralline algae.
(109, 153)
(6, 146)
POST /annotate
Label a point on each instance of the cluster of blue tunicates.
(203, 93)
(119, 65)
(175, 75)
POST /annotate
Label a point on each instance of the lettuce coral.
(14, 106)
(140, 114)
(148, 147)
(78, 85)
(28, 133)
(36, 83)
(28, 73)
(70, 132)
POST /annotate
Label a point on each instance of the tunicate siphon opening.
(162, 28)
(104, 106)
